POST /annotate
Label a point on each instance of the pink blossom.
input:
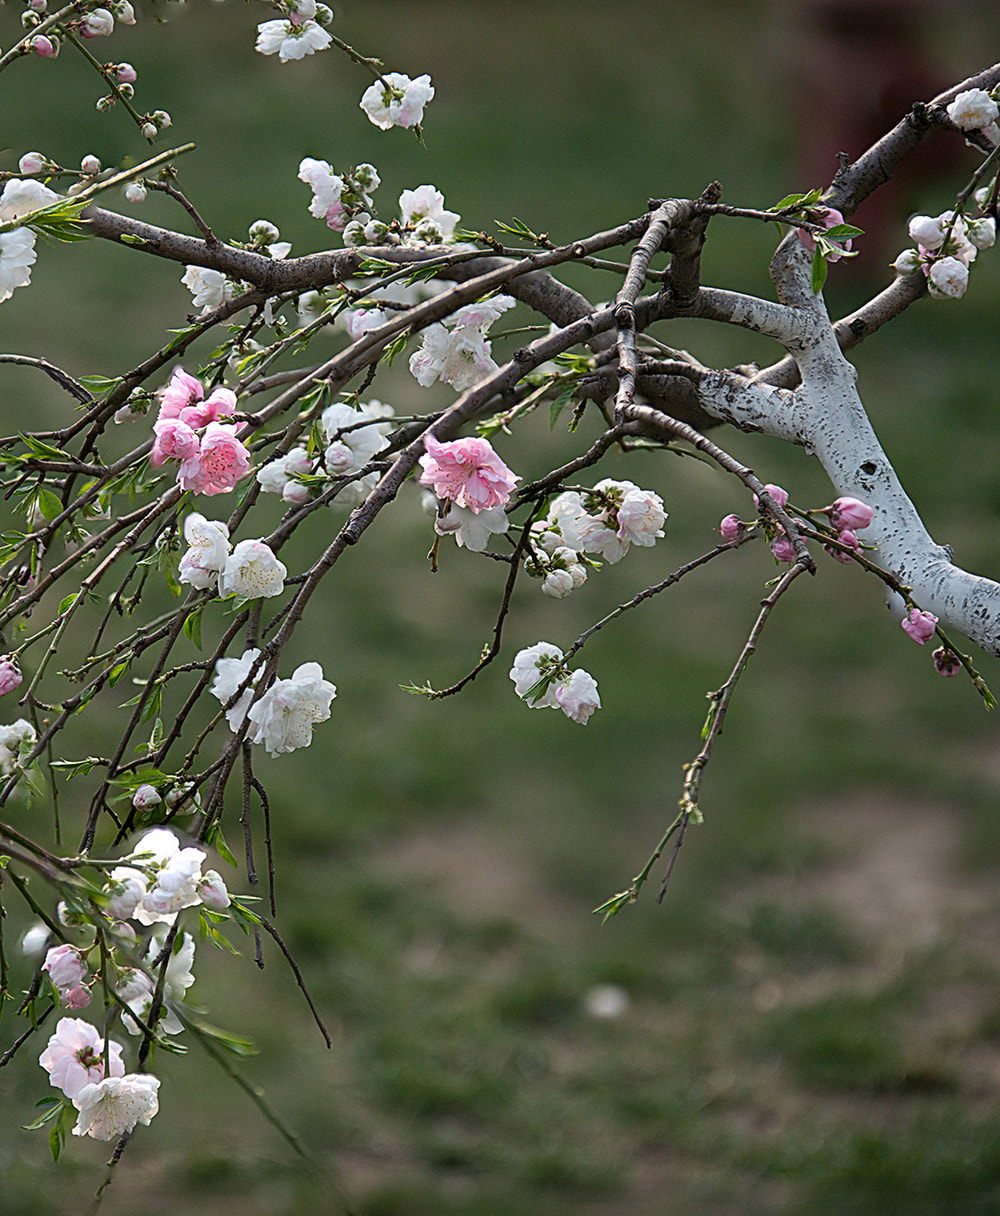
(919, 625)
(578, 697)
(467, 472)
(65, 966)
(43, 47)
(783, 549)
(10, 676)
(829, 217)
(74, 1057)
(219, 464)
(946, 662)
(77, 997)
(182, 392)
(779, 495)
(222, 401)
(731, 527)
(175, 440)
(849, 513)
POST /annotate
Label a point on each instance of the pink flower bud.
(849, 513)
(783, 549)
(946, 662)
(846, 537)
(125, 73)
(77, 997)
(919, 625)
(90, 165)
(10, 676)
(31, 162)
(213, 890)
(731, 527)
(65, 966)
(43, 47)
(97, 24)
(295, 492)
(779, 495)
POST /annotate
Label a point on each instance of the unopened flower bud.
(43, 47)
(31, 162)
(213, 890)
(263, 232)
(983, 233)
(125, 73)
(324, 15)
(37, 6)
(919, 625)
(98, 24)
(367, 177)
(849, 513)
(783, 549)
(946, 662)
(148, 130)
(295, 492)
(730, 527)
(126, 91)
(908, 262)
(145, 797)
(90, 165)
(125, 13)
(558, 584)
(779, 495)
(135, 192)
(162, 119)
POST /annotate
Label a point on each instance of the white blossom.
(253, 571)
(397, 101)
(973, 110)
(171, 874)
(17, 256)
(471, 529)
(327, 187)
(948, 279)
(460, 357)
(16, 739)
(578, 698)
(928, 230)
(210, 288)
(21, 198)
(291, 41)
(353, 437)
(230, 675)
(277, 473)
(209, 547)
(284, 717)
(115, 1105)
(426, 204)
(530, 665)
(983, 233)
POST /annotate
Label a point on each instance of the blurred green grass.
(809, 1021)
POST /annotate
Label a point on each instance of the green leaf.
(819, 270)
(49, 504)
(45, 450)
(841, 232)
(66, 604)
(235, 1043)
(77, 768)
(192, 626)
(99, 384)
(560, 403)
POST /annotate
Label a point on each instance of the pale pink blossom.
(467, 472)
(641, 517)
(180, 394)
(849, 513)
(460, 357)
(219, 463)
(74, 1057)
(578, 697)
(115, 1105)
(175, 440)
(66, 966)
(125, 890)
(213, 890)
(125, 73)
(275, 476)
(397, 101)
(327, 187)
(10, 676)
(209, 288)
(919, 625)
(929, 230)
(291, 39)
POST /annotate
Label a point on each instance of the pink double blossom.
(175, 440)
(74, 1057)
(466, 472)
(67, 970)
(10, 676)
(219, 463)
(919, 625)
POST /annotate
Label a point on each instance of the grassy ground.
(811, 1019)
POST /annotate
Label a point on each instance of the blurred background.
(810, 1022)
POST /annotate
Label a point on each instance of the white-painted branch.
(825, 415)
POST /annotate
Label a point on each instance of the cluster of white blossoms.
(17, 247)
(456, 350)
(947, 245)
(158, 880)
(541, 679)
(344, 200)
(283, 718)
(606, 520)
(16, 740)
(250, 569)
